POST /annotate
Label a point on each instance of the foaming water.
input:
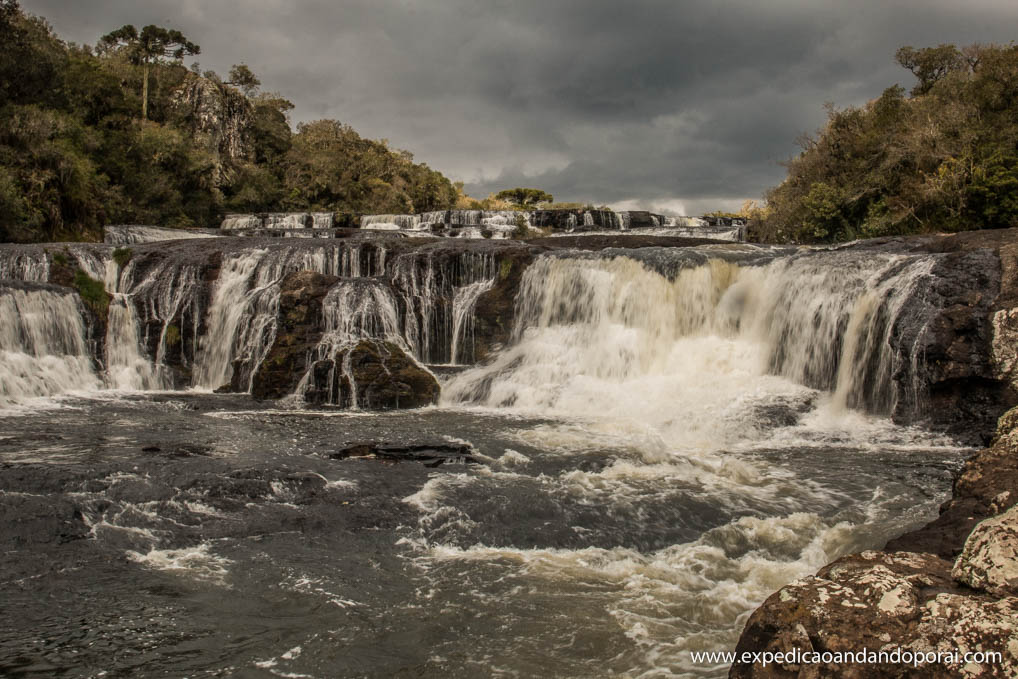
(43, 345)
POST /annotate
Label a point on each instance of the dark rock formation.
(218, 117)
(300, 329)
(428, 454)
(373, 375)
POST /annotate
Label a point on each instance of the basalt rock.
(428, 454)
(300, 328)
(372, 375)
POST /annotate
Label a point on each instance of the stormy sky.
(681, 106)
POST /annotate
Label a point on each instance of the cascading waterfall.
(43, 345)
(354, 310)
(432, 294)
(596, 331)
(127, 365)
(24, 266)
(245, 304)
(463, 317)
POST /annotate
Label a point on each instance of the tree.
(242, 77)
(524, 197)
(152, 45)
(930, 64)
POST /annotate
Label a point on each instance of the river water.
(651, 457)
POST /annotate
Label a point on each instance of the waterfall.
(231, 222)
(127, 366)
(494, 221)
(30, 266)
(132, 235)
(353, 310)
(428, 291)
(463, 317)
(245, 304)
(43, 345)
(596, 334)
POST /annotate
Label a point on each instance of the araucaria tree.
(153, 44)
(524, 197)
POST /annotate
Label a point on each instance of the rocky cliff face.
(951, 586)
(218, 116)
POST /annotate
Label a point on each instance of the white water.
(43, 347)
(463, 316)
(685, 382)
(683, 355)
(130, 234)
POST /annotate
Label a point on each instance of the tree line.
(126, 133)
(941, 157)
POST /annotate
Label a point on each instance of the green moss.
(504, 268)
(60, 259)
(122, 256)
(92, 293)
(172, 335)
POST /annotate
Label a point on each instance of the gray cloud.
(682, 104)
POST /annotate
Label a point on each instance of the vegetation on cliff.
(127, 134)
(943, 157)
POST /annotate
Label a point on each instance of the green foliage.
(93, 293)
(127, 134)
(242, 77)
(331, 167)
(943, 159)
(122, 256)
(524, 198)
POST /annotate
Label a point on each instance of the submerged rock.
(428, 454)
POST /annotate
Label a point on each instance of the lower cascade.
(573, 461)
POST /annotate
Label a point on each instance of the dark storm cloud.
(688, 105)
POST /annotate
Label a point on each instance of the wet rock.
(183, 450)
(990, 559)
(881, 602)
(34, 519)
(372, 375)
(301, 325)
(986, 485)
(428, 454)
(495, 310)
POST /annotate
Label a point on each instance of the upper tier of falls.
(279, 220)
(641, 328)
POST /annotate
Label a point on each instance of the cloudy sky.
(682, 106)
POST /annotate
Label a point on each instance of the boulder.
(372, 375)
(990, 559)
(898, 602)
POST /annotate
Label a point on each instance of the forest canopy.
(127, 133)
(941, 157)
